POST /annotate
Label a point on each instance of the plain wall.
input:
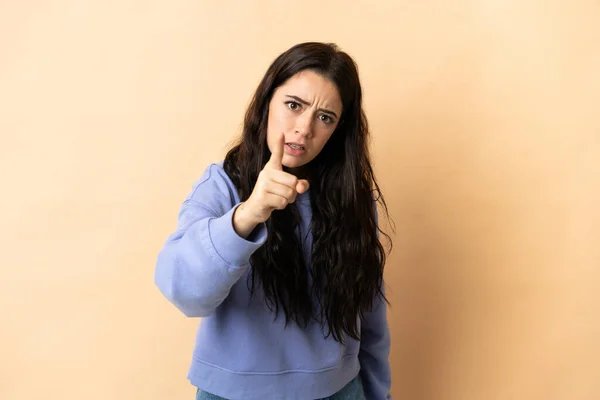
(486, 141)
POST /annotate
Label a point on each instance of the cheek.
(279, 118)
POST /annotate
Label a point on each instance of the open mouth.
(295, 146)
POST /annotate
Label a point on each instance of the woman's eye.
(326, 118)
(292, 105)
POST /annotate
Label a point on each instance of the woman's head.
(306, 109)
(312, 94)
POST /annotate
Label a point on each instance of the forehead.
(312, 86)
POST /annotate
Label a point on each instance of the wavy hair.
(347, 256)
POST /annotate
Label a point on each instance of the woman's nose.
(304, 124)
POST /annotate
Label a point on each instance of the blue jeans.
(352, 391)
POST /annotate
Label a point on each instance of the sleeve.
(205, 257)
(374, 353)
(375, 344)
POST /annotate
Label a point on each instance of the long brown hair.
(347, 257)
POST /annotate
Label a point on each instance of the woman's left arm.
(374, 353)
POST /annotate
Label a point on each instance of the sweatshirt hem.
(289, 384)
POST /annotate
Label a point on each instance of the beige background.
(486, 137)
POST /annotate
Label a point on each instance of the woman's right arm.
(215, 238)
(205, 257)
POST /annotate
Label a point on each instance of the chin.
(293, 163)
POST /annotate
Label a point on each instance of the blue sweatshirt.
(241, 351)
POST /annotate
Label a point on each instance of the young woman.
(277, 247)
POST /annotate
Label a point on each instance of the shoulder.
(214, 184)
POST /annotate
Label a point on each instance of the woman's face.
(306, 109)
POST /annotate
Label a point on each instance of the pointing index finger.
(276, 160)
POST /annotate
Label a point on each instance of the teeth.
(295, 147)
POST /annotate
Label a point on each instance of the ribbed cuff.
(231, 247)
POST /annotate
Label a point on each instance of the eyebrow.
(299, 100)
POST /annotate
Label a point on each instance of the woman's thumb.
(302, 186)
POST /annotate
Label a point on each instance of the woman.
(277, 247)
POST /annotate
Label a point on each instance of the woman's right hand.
(274, 190)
